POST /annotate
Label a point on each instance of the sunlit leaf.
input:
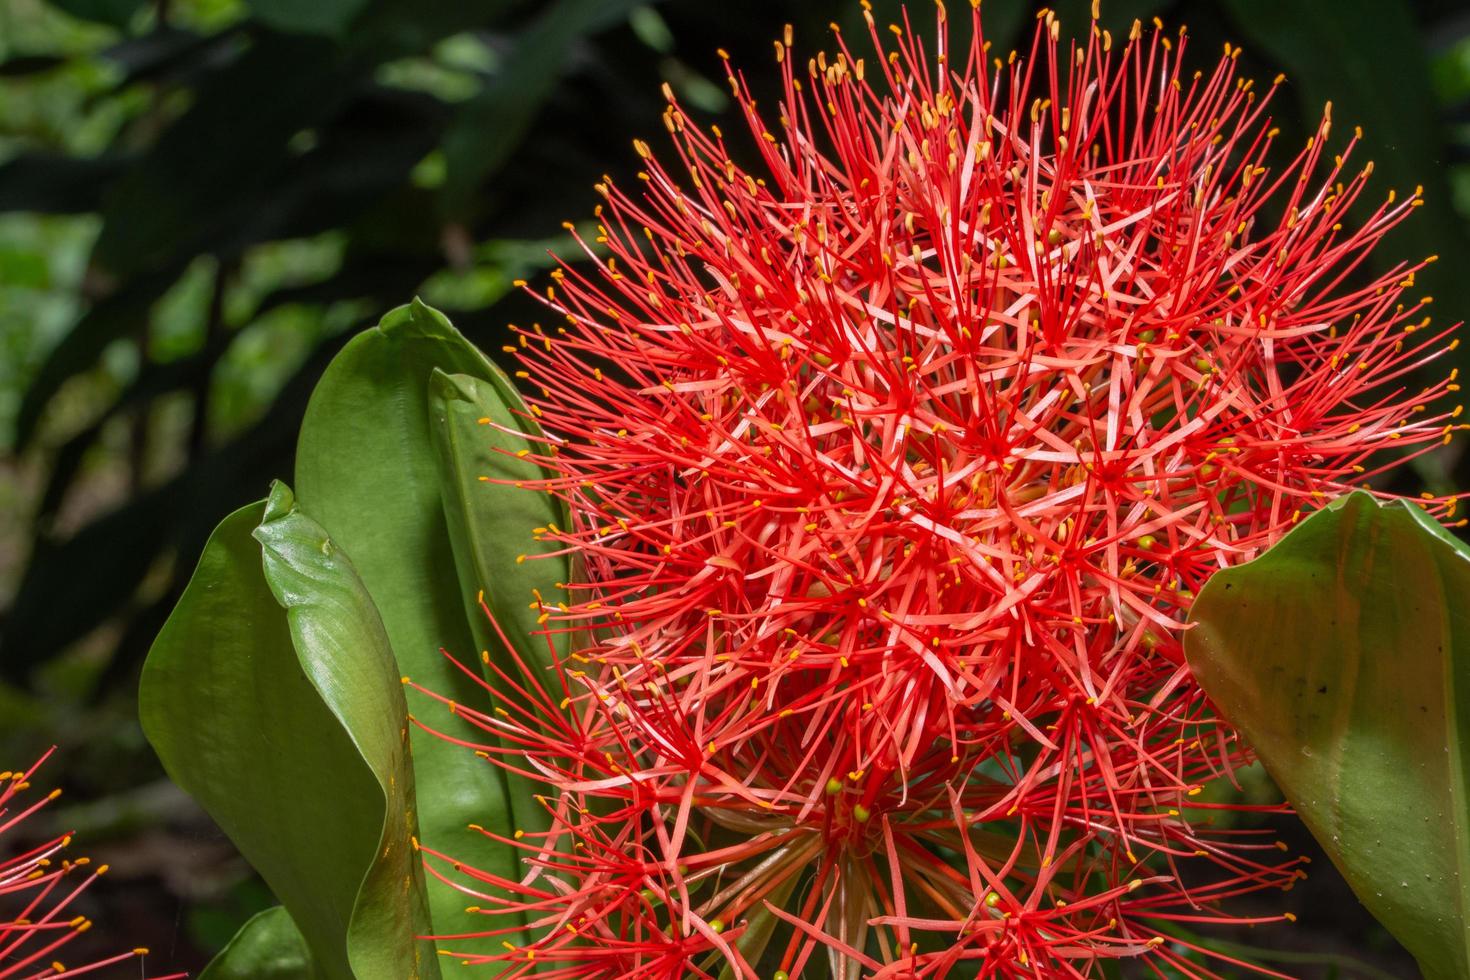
(1343, 656)
(271, 696)
(366, 469)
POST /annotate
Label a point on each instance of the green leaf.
(490, 526)
(366, 468)
(271, 696)
(491, 522)
(268, 947)
(1343, 656)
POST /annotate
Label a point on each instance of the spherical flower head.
(893, 463)
(39, 888)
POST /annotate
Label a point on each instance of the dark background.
(201, 199)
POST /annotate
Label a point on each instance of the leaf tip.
(280, 502)
(416, 315)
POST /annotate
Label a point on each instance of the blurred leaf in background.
(199, 199)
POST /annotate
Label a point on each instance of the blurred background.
(200, 200)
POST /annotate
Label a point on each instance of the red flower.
(38, 888)
(893, 468)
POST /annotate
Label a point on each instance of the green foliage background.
(200, 200)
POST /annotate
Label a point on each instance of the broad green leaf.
(366, 468)
(491, 522)
(331, 615)
(271, 696)
(1343, 656)
(490, 528)
(268, 947)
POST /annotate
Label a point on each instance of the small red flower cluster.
(892, 469)
(38, 888)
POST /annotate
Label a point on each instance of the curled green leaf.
(271, 696)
